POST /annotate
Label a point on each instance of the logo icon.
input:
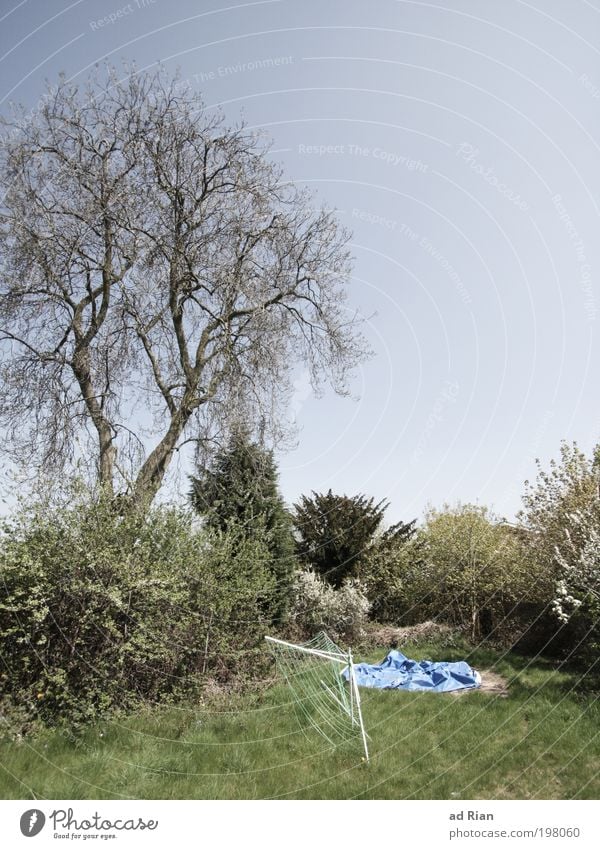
(32, 822)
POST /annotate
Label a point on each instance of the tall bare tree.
(156, 271)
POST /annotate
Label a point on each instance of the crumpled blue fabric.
(397, 672)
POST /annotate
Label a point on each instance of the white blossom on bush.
(317, 606)
(579, 586)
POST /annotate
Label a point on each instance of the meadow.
(539, 740)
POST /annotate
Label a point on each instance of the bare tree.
(156, 270)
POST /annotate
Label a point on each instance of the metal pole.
(357, 697)
(339, 658)
(351, 687)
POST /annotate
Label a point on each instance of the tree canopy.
(473, 571)
(158, 278)
(552, 502)
(336, 531)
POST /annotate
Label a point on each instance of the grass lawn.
(541, 742)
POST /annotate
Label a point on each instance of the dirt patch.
(393, 637)
(491, 682)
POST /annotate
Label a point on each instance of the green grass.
(542, 741)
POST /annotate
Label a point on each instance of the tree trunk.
(150, 476)
(475, 628)
(107, 451)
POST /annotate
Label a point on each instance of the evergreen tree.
(240, 487)
(335, 532)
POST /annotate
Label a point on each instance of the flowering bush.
(578, 588)
(342, 613)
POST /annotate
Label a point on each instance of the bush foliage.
(561, 522)
(100, 611)
(473, 573)
(577, 599)
(103, 607)
(335, 533)
(317, 606)
(389, 573)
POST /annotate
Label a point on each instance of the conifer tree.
(335, 532)
(240, 486)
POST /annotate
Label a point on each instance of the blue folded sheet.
(397, 672)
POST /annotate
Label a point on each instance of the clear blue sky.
(460, 142)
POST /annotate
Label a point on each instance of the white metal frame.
(345, 660)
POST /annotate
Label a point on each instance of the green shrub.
(387, 574)
(341, 613)
(473, 572)
(100, 611)
(335, 533)
(553, 502)
(233, 592)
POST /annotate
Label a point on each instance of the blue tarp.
(397, 672)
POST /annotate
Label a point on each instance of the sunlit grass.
(542, 741)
